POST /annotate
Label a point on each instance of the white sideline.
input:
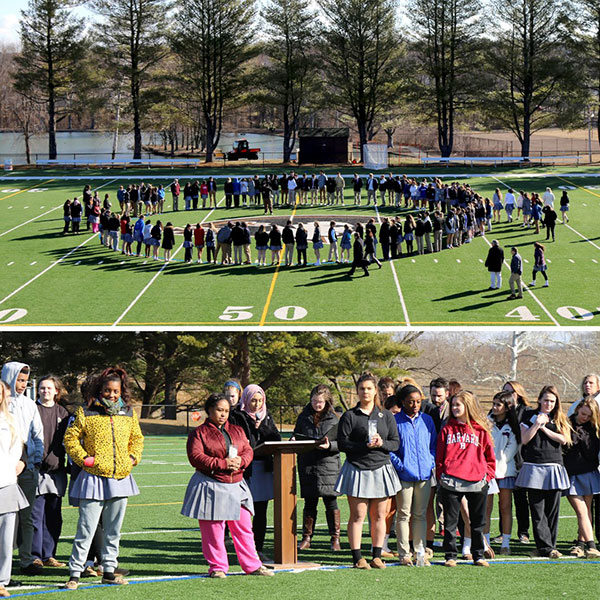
(135, 300)
(400, 295)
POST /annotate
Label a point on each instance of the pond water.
(86, 145)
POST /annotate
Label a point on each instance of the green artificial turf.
(48, 279)
(162, 549)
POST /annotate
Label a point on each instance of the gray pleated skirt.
(507, 483)
(94, 487)
(550, 476)
(585, 484)
(12, 499)
(207, 499)
(261, 482)
(52, 483)
(362, 483)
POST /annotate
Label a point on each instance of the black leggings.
(301, 254)
(542, 272)
(330, 502)
(259, 524)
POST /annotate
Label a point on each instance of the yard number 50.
(243, 313)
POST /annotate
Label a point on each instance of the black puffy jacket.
(318, 469)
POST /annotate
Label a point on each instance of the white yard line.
(49, 211)
(145, 289)
(400, 295)
(56, 262)
(582, 236)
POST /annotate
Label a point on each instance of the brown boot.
(333, 523)
(307, 530)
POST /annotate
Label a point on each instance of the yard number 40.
(243, 313)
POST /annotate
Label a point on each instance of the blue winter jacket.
(415, 458)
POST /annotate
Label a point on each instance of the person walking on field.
(358, 256)
(539, 265)
(516, 270)
(493, 262)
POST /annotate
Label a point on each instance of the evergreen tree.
(132, 39)
(361, 48)
(536, 76)
(48, 67)
(447, 39)
(213, 41)
(290, 77)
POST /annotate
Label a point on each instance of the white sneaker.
(546, 284)
(532, 284)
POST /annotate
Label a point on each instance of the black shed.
(321, 145)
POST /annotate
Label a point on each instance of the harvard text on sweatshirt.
(465, 452)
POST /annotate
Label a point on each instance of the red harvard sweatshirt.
(465, 452)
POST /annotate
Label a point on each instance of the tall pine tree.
(132, 39)
(49, 62)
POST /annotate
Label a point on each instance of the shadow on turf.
(497, 294)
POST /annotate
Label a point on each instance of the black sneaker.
(32, 569)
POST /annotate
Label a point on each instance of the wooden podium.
(284, 453)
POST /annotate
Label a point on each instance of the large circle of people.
(442, 215)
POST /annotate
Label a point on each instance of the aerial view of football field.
(56, 280)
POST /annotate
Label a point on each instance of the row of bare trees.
(162, 66)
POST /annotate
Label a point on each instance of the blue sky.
(10, 12)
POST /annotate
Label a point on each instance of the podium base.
(298, 565)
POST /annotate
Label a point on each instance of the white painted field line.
(145, 289)
(49, 211)
(164, 485)
(398, 288)
(526, 288)
(56, 262)
(582, 236)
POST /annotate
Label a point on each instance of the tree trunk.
(117, 122)
(526, 142)
(340, 392)
(135, 101)
(242, 360)
(52, 152)
(27, 136)
(287, 148)
(210, 144)
(170, 400)
(389, 132)
(362, 136)
(148, 395)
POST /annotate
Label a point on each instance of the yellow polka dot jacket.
(116, 442)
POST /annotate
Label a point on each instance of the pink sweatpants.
(213, 543)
